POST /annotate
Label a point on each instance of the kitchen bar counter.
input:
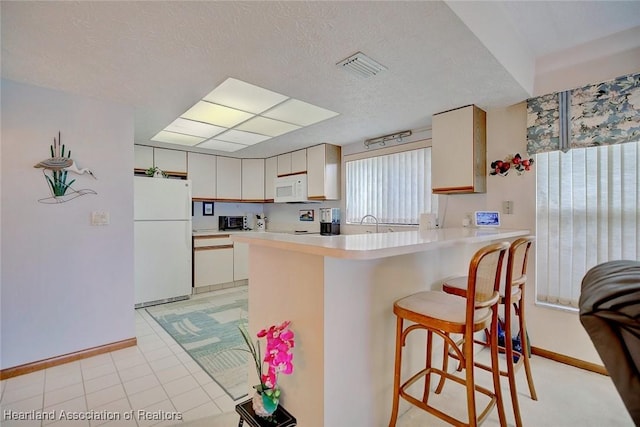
(338, 293)
(376, 245)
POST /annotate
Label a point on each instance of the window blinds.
(588, 212)
(395, 188)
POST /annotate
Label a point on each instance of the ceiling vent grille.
(361, 65)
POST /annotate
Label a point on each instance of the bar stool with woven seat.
(444, 314)
(513, 297)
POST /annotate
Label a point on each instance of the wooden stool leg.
(445, 366)
(495, 368)
(427, 365)
(396, 374)
(524, 339)
(470, 380)
(508, 345)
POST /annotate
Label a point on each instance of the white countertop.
(376, 245)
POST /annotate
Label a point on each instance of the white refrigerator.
(162, 248)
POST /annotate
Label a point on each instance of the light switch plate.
(99, 218)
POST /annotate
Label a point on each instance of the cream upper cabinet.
(228, 178)
(143, 157)
(253, 180)
(270, 175)
(294, 162)
(458, 153)
(284, 164)
(170, 160)
(323, 172)
(202, 173)
(299, 161)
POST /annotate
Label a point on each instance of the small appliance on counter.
(226, 223)
(261, 222)
(329, 221)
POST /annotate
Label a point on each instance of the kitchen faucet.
(374, 218)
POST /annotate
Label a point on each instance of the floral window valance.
(601, 114)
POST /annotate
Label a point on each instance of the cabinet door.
(170, 160)
(253, 179)
(143, 157)
(240, 261)
(284, 164)
(299, 161)
(323, 172)
(270, 175)
(228, 178)
(202, 173)
(213, 265)
(459, 151)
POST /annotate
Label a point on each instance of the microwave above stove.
(232, 223)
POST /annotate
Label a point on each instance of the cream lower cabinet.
(212, 260)
(240, 261)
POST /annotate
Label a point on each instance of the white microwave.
(291, 188)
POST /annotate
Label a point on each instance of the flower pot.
(263, 405)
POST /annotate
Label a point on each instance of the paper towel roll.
(427, 221)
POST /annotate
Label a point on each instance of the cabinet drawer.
(223, 240)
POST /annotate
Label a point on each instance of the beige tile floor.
(159, 377)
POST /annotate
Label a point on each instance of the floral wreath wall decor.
(60, 164)
(517, 163)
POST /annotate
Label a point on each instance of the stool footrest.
(429, 408)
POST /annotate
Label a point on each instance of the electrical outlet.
(507, 207)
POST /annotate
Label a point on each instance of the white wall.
(66, 285)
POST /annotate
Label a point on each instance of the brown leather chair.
(610, 313)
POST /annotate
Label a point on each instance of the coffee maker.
(329, 221)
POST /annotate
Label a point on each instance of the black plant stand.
(280, 418)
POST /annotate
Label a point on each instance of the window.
(588, 212)
(394, 187)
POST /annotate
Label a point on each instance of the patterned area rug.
(207, 328)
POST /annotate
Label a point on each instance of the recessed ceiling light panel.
(177, 138)
(244, 96)
(239, 114)
(215, 114)
(240, 137)
(299, 112)
(190, 127)
(214, 144)
(265, 126)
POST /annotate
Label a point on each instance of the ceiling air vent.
(361, 65)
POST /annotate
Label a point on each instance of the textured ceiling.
(161, 57)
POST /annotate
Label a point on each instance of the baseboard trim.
(568, 360)
(66, 358)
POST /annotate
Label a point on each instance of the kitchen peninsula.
(338, 292)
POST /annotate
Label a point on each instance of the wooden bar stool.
(511, 296)
(444, 314)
